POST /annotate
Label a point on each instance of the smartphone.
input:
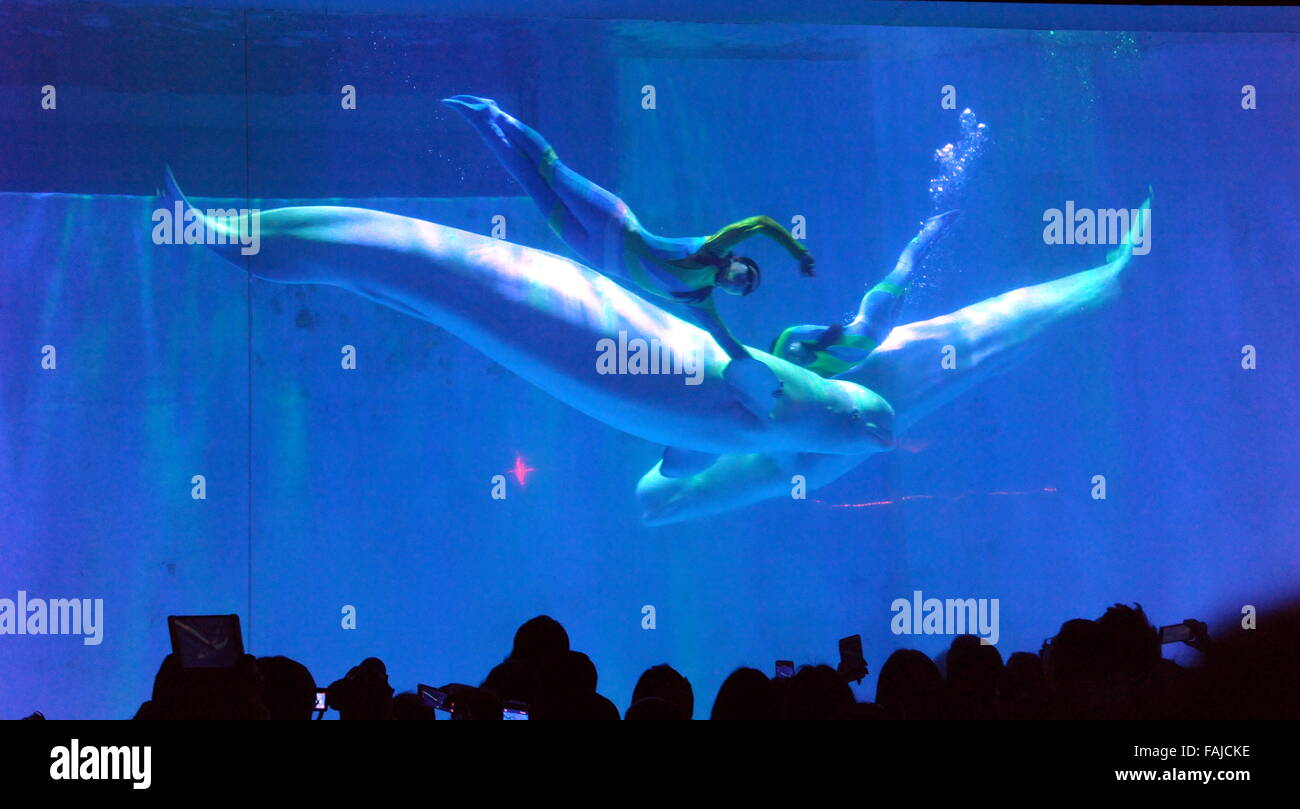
(1175, 633)
(852, 664)
(514, 710)
(206, 641)
(320, 699)
(784, 668)
(435, 698)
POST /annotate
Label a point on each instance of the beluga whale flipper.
(542, 316)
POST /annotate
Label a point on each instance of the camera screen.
(206, 641)
(1175, 633)
(512, 709)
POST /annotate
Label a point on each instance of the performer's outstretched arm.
(730, 236)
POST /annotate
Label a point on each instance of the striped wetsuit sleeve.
(722, 241)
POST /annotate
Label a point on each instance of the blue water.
(371, 488)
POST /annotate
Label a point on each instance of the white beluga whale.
(544, 317)
(990, 337)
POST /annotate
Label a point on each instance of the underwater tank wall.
(371, 437)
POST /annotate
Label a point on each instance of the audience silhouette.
(665, 685)
(1111, 667)
(288, 690)
(746, 694)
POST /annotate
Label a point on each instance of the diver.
(831, 350)
(605, 233)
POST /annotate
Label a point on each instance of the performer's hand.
(806, 264)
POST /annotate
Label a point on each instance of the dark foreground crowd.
(1110, 667)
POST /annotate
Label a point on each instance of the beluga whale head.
(866, 422)
(843, 419)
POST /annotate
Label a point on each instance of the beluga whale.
(545, 317)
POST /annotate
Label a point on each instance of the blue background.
(371, 487)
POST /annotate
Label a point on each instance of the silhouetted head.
(746, 694)
(577, 672)
(738, 275)
(653, 708)
(1022, 677)
(364, 693)
(596, 707)
(516, 679)
(664, 682)
(973, 670)
(566, 682)
(288, 689)
(1134, 642)
(909, 686)
(1079, 652)
(409, 705)
(203, 693)
(818, 692)
(540, 638)
(974, 664)
(568, 690)
(1251, 673)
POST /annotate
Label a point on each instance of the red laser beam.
(909, 497)
(520, 470)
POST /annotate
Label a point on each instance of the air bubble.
(953, 159)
